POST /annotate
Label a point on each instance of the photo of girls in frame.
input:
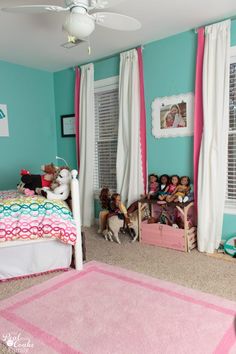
(173, 116)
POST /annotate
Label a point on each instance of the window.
(231, 176)
(106, 132)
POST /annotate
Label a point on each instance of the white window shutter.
(106, 132)
(231, 178)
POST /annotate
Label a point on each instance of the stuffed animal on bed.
(32, 182)
(61, 192)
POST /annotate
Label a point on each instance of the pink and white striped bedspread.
(26, 218)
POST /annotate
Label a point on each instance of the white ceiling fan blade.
(32, 9)
(116, 21)
(102, 4)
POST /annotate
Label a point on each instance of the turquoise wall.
(106, 68)
(29, 95)
(169, 69)
(64, 82)
(233, 33)
(229, 226)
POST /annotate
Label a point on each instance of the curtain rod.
(109, 56)
(233, 18)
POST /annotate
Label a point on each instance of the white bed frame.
(12, 249)
(76, 214)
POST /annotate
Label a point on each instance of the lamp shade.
(79, 25)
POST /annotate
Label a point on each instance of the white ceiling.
(34, 40)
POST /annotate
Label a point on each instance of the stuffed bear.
(32, 182)
(63, 190)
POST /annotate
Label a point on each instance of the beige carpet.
(195, 270)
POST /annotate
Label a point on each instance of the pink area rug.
(109, 310)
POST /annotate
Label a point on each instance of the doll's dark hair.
(167, 177)
(104, 197)
(188, 179)
(176, 177)
(167, 183)
(113, 205)
(154, 175)
(114, 196)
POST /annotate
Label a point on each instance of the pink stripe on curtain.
(198, 109)
(77, 103)
(142, 120)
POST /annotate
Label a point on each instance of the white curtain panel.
(129, 165)
(213, 153)
(86, 130)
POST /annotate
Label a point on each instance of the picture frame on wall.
(68, 125)
(173, 116)
(4, 129)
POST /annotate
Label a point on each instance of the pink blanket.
(25, 218)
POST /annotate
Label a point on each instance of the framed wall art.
(173, 116)
(4, 131)
(68, 125)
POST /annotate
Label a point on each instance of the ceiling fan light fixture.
(79, 25)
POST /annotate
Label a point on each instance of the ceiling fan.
(80, 21)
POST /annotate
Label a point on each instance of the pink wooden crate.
(163, 236)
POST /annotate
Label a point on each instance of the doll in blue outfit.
(163, 185)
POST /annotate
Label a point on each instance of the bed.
(38, 235)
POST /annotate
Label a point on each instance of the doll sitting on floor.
(105, 200)
(180, 191)
(111, 205)
(116, 207)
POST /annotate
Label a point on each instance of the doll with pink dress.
(174, 181)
